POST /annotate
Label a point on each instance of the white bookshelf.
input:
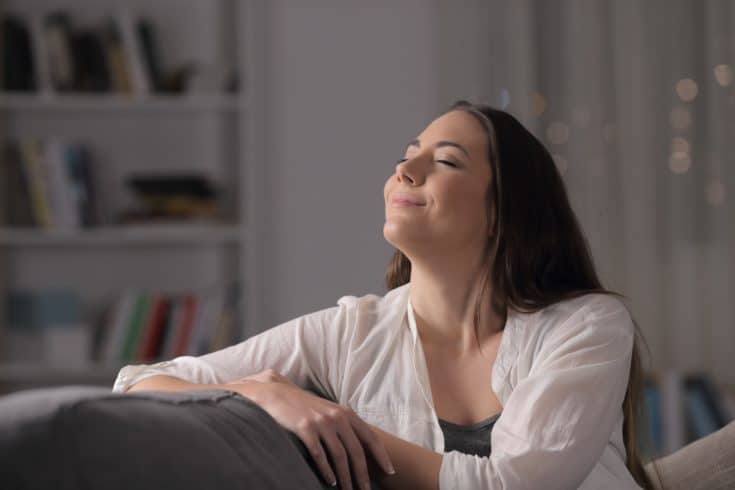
(207, 132)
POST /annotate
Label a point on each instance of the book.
(147, 42)
(117, 61)
(192, 305)
(672, 414)
(31, 155)
(40, 55)
(135, 326)
(654, 439)
(700, 419)
(117, 326)
(92, 70)
(57, 28)
(133, 52)
(82, 175)
(16, 55)
(14, 191)
(151, 334)
(62, 195)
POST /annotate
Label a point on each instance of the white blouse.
(560, 373)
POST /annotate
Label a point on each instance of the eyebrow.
(441, 143)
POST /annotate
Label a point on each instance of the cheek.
(464, 200)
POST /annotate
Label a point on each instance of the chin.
(403, 237)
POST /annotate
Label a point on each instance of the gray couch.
(708, 463)
(80, 437)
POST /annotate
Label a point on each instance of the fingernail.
(333, 484)
(391, 470)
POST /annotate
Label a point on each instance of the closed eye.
(445, 162)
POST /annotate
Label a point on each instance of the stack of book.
(50, 54)
(682, 408)
(48, 184)
(147, 326)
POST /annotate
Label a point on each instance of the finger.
(316, 451)
(339, 458)
(373, 443)
(356, 454)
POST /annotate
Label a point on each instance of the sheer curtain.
(636, 101)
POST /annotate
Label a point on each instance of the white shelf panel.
(123, 235)
(120, 102)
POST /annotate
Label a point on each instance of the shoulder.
(361, 315)
(393, 299)
(590, 318)
(586, 305)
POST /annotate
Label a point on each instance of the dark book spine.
(92, 73)
(19, 73)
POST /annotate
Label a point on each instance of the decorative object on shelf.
(172, 197)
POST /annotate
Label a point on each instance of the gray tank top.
(469, 439)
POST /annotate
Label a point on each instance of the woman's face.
(436, 196)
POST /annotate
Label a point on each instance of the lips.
(405, 199)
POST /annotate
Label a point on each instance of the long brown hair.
(537, 255)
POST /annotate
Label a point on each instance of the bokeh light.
(687, 89)
(539, 104)
(680, 162)
(723, 75)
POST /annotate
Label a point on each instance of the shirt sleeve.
(557, 421)
(305, 350)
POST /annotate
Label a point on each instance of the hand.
(318, 423)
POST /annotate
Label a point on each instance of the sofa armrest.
(82, 437)
(708, 463)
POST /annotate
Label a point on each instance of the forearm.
(416, 467)
(170, 383)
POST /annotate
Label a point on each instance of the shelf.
(38, 372)
(122, 235)
(120, 102)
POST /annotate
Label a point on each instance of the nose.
(409, 172)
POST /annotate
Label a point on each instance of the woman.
(495, 321)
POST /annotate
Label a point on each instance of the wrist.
(251, 389)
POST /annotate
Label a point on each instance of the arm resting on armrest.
(170, 383)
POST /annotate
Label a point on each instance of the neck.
(443, 295)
